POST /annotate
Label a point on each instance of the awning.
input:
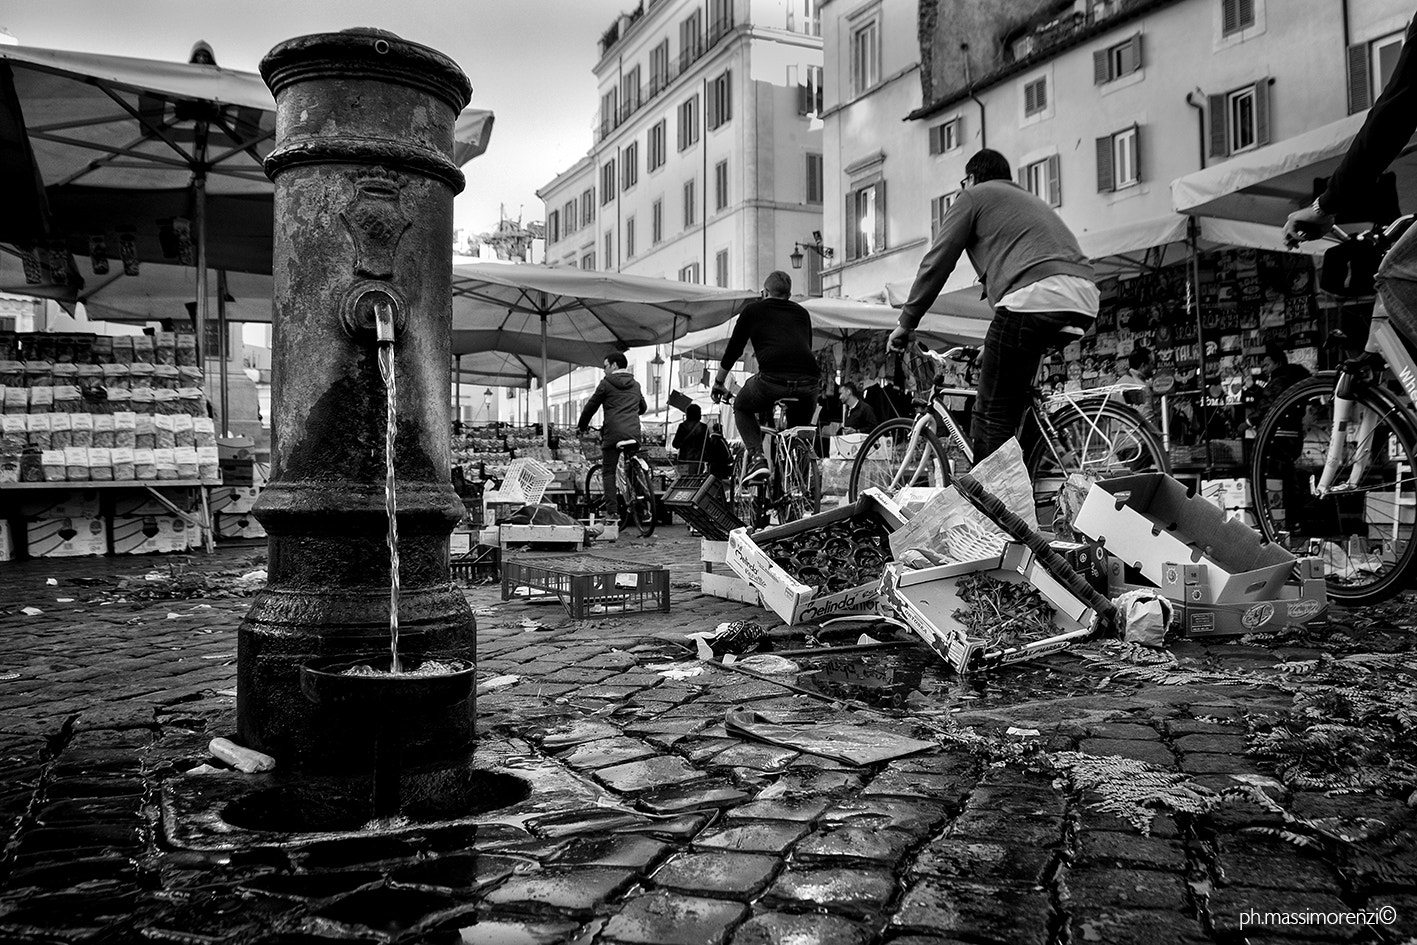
(1267, 184)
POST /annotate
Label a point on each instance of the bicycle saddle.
(624, 444)
(784, 401)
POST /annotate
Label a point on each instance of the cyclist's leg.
(1006, 370)
(609, 479)
(754, 399)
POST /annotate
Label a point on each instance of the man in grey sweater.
(1034, 274)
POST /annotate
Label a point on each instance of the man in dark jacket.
(860, 418)
(1041, 287)
(781, 333)
(619, 394)
(691, 437)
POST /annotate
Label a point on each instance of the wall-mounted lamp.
(826, 252)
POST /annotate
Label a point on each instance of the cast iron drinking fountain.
(356, 662)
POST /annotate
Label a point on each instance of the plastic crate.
(526, 482)
(481, 565)
(700, 501)
(589, 585)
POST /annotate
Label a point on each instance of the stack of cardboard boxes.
(243, 477)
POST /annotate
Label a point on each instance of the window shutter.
(1219, 140)
(936, 212)
(711, 109)
(1230, 16)
(1105, 179)
(1030, 98)
(1055, 182)
(1022, 174)
(1136, 152)
(1099, 67)
(936, 139)
(1262, 112)
(1042, 94)
(880, 240)
(727, 96)
(1360, 93)
(853, 227)
(1246, 13)
(803, 100)
(1135, 54)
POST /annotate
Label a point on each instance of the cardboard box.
(789, 598)
(150, 534)
(728, 586)
(1152, 521)
(1228, 494)
(1087, 559)
(140, 502)
(460, 543)
(234, 500)
(926, 600)
(237, 526)
(66, 537)
(540, 534)
(1300, 601)
(60, 503)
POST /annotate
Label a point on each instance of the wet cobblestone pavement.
(649, 821)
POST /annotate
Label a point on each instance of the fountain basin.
(327, 683)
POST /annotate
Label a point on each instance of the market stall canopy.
(117, 144)
(528, 347)
(1269, 183)
(501, 369)
(835, 319)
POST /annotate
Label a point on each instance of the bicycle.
(1087, 432)
(638, 504)
(793, 488)
(1334, 458)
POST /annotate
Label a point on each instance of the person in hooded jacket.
(620, 396)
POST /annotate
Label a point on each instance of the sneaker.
(757, 469)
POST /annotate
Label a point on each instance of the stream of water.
(386, 369)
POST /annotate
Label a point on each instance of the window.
(691, 202)
(553, 226)
(812, 274)
(720, 268)
(1239, 120)
(720, 103)
(630, 238)
(656, 222)
(720, 185)
(1035, 96)
(658, 68)
(607, 182)
(1236, 15)
(630, 165)
(655, 152)
(1043, 180)
(689, 273)
(946, 137)
(588, 206)
(630, 92)
(691, 39)
(568, 217)
(609, 112)
(804, 17)
(1116, 61)
(815, 181)
(866, 220)
(938, 208)
(720, 19)
(1370, 65)
(689, 123)
(1118, 160)
(809, 93)
(865, 56)
(609, 249)
(588, 261)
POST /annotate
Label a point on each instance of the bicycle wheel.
(1363, 531)
(889, 461)
(750, 501)
(594, 493)
(639, 497)
(802, 482)
(1097, 440)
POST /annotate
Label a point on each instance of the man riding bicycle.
(781, 333)
(1385, 132)
(1034, 274)
(619, 394)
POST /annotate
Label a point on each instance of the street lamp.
(826, 252)
(658, 362)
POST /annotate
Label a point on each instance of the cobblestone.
(721, 875)
(662, 918)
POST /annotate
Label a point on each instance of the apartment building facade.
(1097, 105)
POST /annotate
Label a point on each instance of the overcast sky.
(529, 61)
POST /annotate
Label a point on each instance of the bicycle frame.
(1383, 341)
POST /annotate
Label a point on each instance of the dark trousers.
(1013, 349)
(610, 479)
(758, 395)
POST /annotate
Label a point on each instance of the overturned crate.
(699, 500)
(480, 564)
(926, 600)
(589, 585)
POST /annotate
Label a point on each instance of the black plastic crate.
(699, 500)
(589, 585)
(480, 565)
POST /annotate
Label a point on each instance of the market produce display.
(1003, 613)
(838, 557)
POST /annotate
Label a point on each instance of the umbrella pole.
(222, 329)
(545, 393)
(458, 412)
(199, 192)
